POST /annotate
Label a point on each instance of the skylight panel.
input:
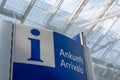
(18, 6)
(65, 12)
(111, 55)
(40, 12)
(92, 9)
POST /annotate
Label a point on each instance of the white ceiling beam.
(53, 12)
(9, 13)
(103, 34)
(28, 10)
(100, 20)
(110, 43)
(105, 12)
(74, 16)
(114, 41)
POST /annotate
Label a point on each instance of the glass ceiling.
(20, 8)
(64, 13)
(40, 12)
(93, 9)
(98, 19)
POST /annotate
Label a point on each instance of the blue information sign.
(50, 57)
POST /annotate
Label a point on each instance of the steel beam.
(28, 10)
(74, 16)
(103, 35)
(105, 12)
(53, 12)
(9, 13)
(112, 44)
(100, 20)
(103, 15)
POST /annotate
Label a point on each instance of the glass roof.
(98, 19)
(93, 9)
(40, 12)
(115, 9)
(18, 6)
(64, 13)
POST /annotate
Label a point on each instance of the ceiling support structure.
(114, 41)
(74, 16)
(105, 12)
(110, 43)
(28, 10)
(103, 34)
(100, 20)
(7, 12)
(53, 12)
(2, 4)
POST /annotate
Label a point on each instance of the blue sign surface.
(69, 61)
(77, 38)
